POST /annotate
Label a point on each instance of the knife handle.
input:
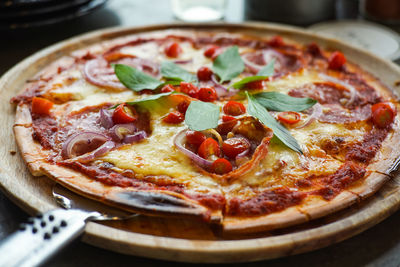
(42, 236)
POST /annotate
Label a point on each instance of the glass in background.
(199, 10)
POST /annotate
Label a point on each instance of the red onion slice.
(94, 73)
(106, 119)
(352, 90)
(100, 151)
(141, 64)
(82, 143)
(316, 113)
(119, 131)
(136, 137)
(179, 140)
(183, 61)
(222, 90)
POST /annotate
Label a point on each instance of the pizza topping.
(383, 114)
(41, 106)
(134, 79)
(202, 116)
(234, 108)
(106, 119)
(167, 88)
(221, 166)
(289, 117)
(133, 138)
(209, 149)
(120, 131)
(336, 60)
(171, 71)
(234, 146)
(275, 101)
(195, 138)
(189, 89)
(256, 82)
(124, 114)
(204, 73)
(207, 94)
(211, 51)
(276, 41)
(82, 143)
(97, 72)
(173, 49)
(228, 65)
(334, 113)
(174, 117)
(316, 113)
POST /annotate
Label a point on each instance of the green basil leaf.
(267, 70)
(263, 74)
(202, 116)
(228, 65)
(135, 79)
(256, 110)
(281, 102)
(172, 71)
(149, 98)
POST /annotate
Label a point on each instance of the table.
(378, 246)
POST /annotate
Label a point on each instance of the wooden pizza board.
(185, 240)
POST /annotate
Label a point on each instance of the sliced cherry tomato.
(383, 114)
(167, 88)
(336, 60)
(210, 51)
(255, 85)
(289, 117)
(226, 118)
(234, 108)
(123, 114)
(174, 117)
(195, 138)
(209, 148)
(183, 106)
(221, 166)
(207, 94)
(204, 73)
(173, 49)
(190, 89)
(41, 106)
(276, 41)
(234, 146)
(314, 49)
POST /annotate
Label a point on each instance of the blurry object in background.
(347, 9)
(199, 10)
(298, 12)
(376, 38)
(384, 11)
(15, 14)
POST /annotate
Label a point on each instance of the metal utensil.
(42, 236)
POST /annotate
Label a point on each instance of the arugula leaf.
(149, 98)
(202, 116)
(228, 65)
(172, 71)
(263, 74)
(256, 110)
(281, 102)
(135, 79)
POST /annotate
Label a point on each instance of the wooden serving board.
(185, 240)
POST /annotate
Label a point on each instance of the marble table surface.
(378, 246)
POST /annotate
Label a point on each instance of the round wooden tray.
(184, 240)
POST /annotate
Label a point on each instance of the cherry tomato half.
(123, 114)
(183, 106)
(221, 166)
(234, 146)
(207, 94)
(195, 138)
(210, 51)
(204, 73)
(289, 117)
(174, 117)
(190, 89)
(255, 85)
(276, 41)
(226, 118)
(209, 148)
(336, 60)
(41, 106)
(234, 108)
(383, 114)
(173, 49)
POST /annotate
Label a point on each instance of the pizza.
(251, 133)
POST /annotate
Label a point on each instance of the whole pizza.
(251, 133)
